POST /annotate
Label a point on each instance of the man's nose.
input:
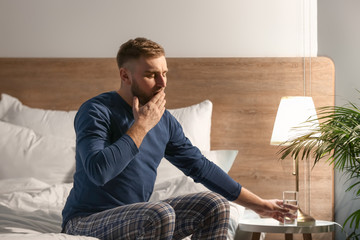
(161, 81)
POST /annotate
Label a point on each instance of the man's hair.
(136, 48)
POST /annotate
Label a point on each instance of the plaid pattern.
(202, 215)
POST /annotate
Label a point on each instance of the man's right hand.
(265, 208)
(146, 116)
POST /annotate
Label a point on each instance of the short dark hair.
(136, 48)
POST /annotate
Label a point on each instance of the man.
(120, 139)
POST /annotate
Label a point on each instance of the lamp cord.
(304, 46)
(304, 52)
(310, 47)
(342, 229)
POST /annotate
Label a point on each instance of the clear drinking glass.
(291, 198)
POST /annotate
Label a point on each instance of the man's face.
(148, 77)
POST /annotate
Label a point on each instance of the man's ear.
(125, 75)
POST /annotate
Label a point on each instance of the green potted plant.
(337, 140)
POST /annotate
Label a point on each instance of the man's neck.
(124, 95)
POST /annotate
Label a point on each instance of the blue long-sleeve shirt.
(111, 171)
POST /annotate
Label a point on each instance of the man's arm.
(266, 208)
(101, 159)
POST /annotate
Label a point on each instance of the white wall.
(339, 39)
(186, 28)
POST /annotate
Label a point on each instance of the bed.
(227, 107)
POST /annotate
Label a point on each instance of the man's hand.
(149, 114)
(265, 208)
(276, 209)
(146, 116)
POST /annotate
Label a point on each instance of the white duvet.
(31, 209)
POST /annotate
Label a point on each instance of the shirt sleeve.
(101, 159)
(189, 160)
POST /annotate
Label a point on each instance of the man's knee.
(161, 215)
(217, 202)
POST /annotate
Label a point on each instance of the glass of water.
(291, 198)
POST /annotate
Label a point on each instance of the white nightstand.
(269, 225)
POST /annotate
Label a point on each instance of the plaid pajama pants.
(203, 215)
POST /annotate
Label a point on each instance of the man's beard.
(137, 92)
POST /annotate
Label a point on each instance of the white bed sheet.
(31, 209)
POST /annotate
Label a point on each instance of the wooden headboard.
(245, 93)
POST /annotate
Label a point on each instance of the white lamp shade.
(292, 119)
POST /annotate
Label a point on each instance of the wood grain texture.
(57, 83)
(245, 93)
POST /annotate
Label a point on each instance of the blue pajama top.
(111, 171)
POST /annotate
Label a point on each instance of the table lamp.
(296, 116)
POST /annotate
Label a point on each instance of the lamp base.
(304, 219)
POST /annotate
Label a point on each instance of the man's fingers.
(279, 217)
(159, 100)
(291, 207)
(286, 206)
(159, 96)
(290, 215)
(161, 103)
(280, 206)
(286, 209)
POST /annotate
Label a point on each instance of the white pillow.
(45, 122)
(195, 120)
(53, 124)
(26, 154)
(196, 123)
(223, 158)
(174, 187)
(5, 103)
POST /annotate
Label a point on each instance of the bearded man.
(121, 137)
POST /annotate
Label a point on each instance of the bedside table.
(269, 225)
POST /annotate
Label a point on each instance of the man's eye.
(150, 75)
